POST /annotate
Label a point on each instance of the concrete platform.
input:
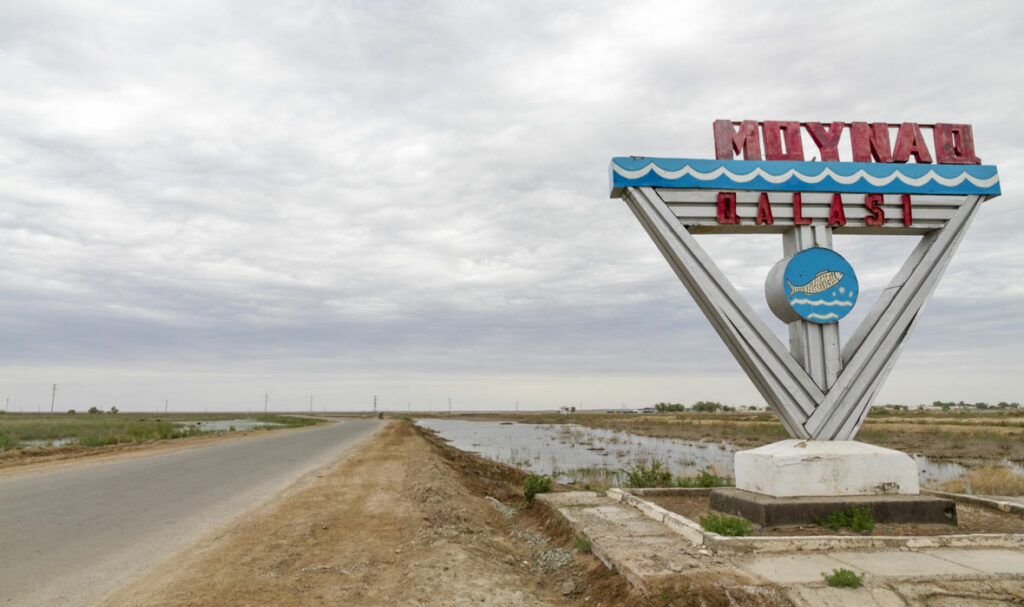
(809, 468)
(768, 511)
(662, 562)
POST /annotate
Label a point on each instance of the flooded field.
(227, 425)
(573, 453)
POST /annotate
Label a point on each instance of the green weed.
(704, 478)
(583, 543)
(725, 525)
(858, 520)
(648, 474)
(535, 484)
(843, 578)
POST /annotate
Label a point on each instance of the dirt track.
(403, 521)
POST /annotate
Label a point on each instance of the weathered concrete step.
(646, 552)
(654, 558)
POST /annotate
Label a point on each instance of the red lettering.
(910, 142)
(870, 141)
(772, 131)
(908, 216)
(827, 140)
(727, 208)
(728, 142)
(798, 216)
(873, 203)
(764, 210)
(954, 144)
(836, 213)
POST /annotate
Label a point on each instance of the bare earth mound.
(400, 521)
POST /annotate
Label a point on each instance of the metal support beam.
(814, 346)
(817, 390)
(786, 387)
(872, 350)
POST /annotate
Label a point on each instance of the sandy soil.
(402, 521)
(971, 519)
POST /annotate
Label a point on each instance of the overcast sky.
(207, 202)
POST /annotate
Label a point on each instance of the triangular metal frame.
(827, 398)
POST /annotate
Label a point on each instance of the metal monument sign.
(819, 390)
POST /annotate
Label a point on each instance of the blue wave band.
(763, 175)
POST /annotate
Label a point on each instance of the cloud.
(421, 188)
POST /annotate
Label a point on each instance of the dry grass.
(988, 480)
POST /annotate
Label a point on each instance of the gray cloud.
(412, 190)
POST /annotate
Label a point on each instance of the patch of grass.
(582, 543)
(725, 525)
(988, 480)
(858, 520)
(98, 430)
(648, 474)
(535, 484)
(602, 491)
(705, 478)
(843, 578)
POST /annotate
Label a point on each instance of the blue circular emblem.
(816, 285)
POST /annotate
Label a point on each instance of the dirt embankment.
(401, 521)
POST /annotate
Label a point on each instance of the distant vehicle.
(380, 416)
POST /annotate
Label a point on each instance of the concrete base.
(794, 468)
(769, 511)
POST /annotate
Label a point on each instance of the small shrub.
(843, 578)
(705, 478)
(71, 411)
(583, 543)
(113, 410)
(643, 474)
(858, 520)
(8, 442)
(725, 525)
(94, 410)
(535, 484)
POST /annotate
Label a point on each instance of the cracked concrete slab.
(901, 564)
(999, 561)
(658, 560)
(791, 568)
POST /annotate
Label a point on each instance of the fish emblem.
(823, 281)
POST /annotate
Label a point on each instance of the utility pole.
(311, 403)
(53, 398)
(165, 406)
(266, 401)
(517, 406)
(374, 403)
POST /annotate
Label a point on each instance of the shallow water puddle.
(572, 453)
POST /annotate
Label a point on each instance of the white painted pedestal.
(805, 468)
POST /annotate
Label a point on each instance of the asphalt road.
(68, 537)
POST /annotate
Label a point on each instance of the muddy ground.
(404, 520)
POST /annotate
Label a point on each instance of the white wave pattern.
(826, 172)
(829, 316)
(821, 302)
